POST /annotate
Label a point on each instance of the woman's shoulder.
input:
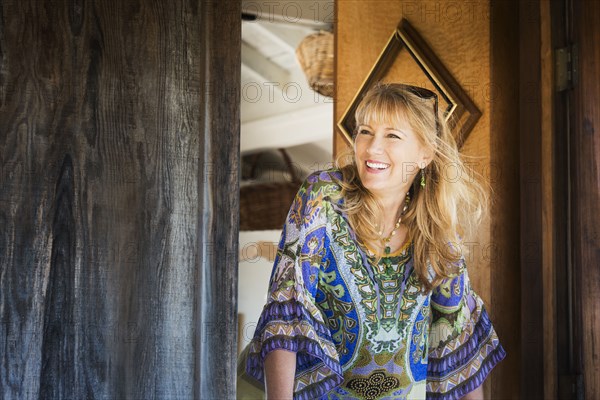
(318, 195)
(320, 190)
(326, 182)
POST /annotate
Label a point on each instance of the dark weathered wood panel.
(219, 192)
(106, 134)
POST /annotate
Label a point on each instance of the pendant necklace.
(386, 240)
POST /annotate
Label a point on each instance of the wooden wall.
(532, 272)
(585, 195)
(118, 222)
(560, 193)
(550, 227)
(477, 43)
(504, 138)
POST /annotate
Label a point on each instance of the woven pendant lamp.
(315, 55)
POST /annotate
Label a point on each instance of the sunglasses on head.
(425, 94)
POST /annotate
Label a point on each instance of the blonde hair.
(439, 213)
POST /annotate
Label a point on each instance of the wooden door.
(560, 197)
(584, 178)
(119, 141)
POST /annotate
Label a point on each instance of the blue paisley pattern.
(364, 329)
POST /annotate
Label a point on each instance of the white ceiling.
(316, 14)
(278, 107)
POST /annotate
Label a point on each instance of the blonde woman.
(369, 297)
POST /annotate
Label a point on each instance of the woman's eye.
(393, 136)
(364, 131)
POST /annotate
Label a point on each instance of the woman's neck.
(392, 207)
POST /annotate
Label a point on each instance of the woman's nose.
(375, 145)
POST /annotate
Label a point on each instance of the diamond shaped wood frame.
(462, 114)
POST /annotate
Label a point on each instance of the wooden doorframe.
(576, 197)
(530, 116)
(218, 194)
(560, 200)
(566, 355)
(544, 180)
(584, 179)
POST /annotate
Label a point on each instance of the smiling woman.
(399, 126)
(370, 296)
(392, 138)
(388, 158)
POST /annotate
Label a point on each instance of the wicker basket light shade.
(315, 54)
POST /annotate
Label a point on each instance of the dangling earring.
(422, 177)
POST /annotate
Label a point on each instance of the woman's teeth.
(377, 165)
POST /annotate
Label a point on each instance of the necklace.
(387, 239)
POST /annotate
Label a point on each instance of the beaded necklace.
(387, 239)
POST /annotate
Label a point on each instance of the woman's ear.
(426, 157)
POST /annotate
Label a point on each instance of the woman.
(369, 297)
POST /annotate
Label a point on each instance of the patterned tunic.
(366, 331)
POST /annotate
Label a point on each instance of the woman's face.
(388, 157)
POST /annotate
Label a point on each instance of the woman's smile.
(376, 167)
(388, 156)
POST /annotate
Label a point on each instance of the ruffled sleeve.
(291, 320)
(463, 345)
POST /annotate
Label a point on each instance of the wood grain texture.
(104, 198)
(568, 362)
(585, 174)
(532, 273)
(218, 236)
(504, 139)
(548, 206)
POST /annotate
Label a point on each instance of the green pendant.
(387, 250)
